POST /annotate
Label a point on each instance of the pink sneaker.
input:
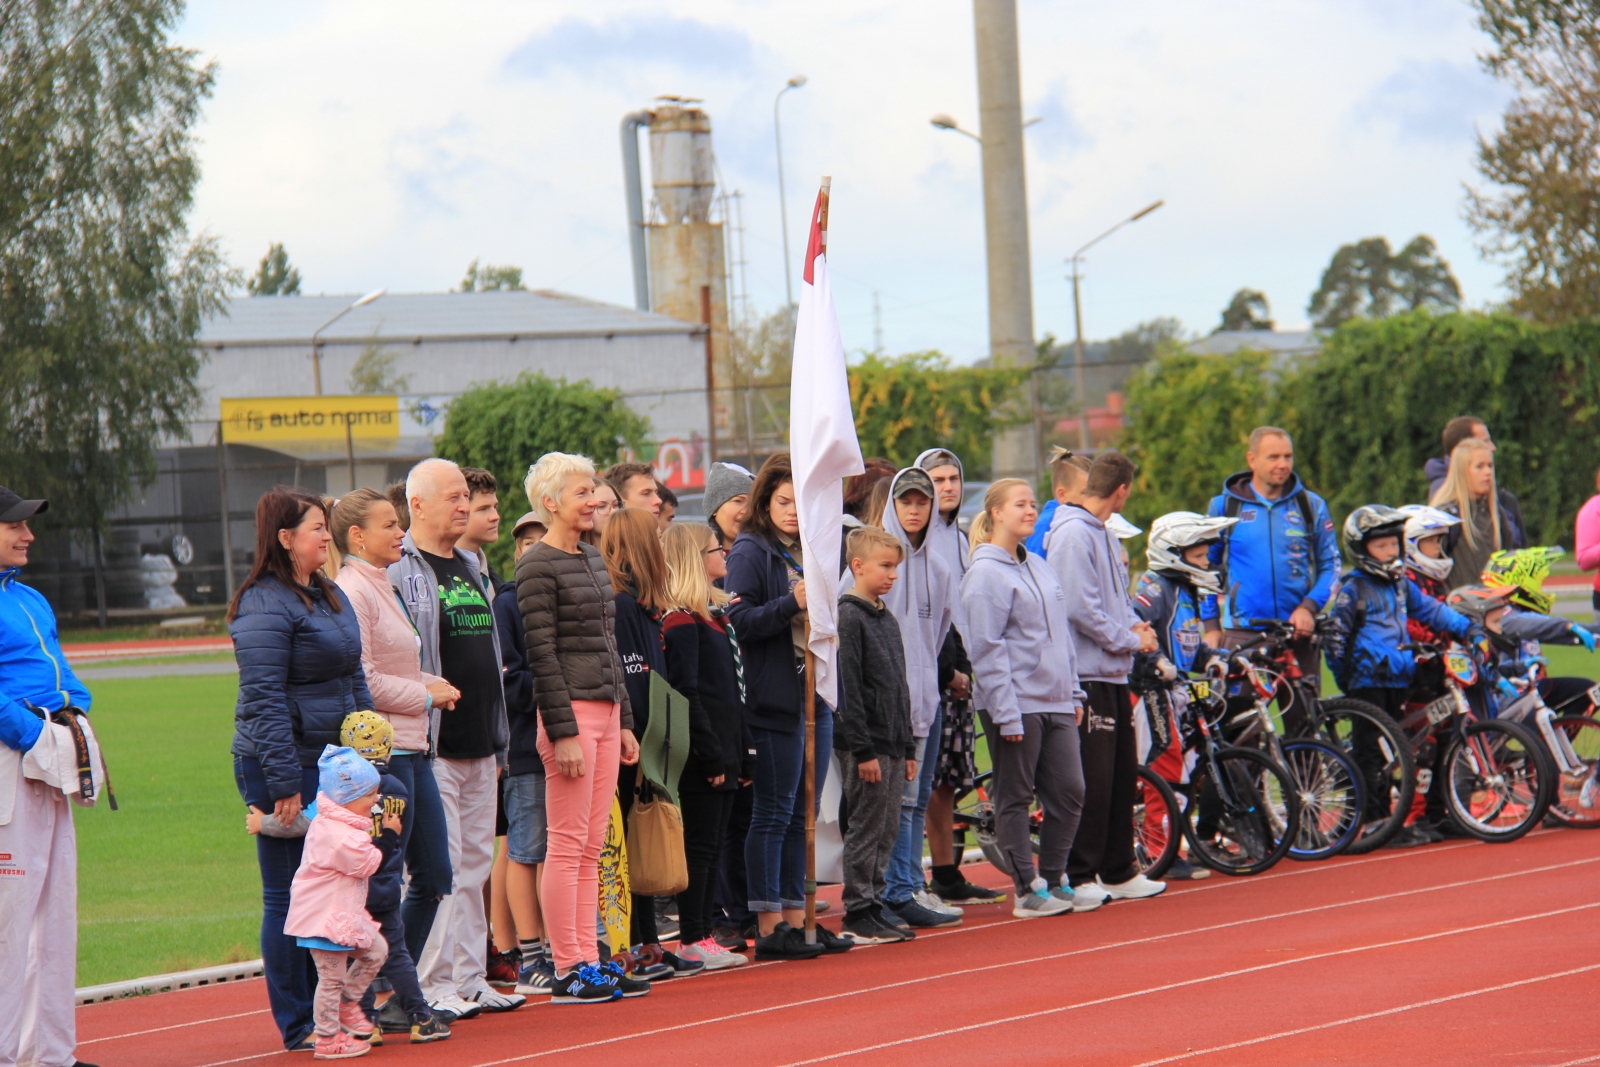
(354, 1021)
(340, 1046)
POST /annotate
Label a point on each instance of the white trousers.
(38, 930)
(455, 959)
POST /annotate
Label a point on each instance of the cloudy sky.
(389, 143)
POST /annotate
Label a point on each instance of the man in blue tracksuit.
(38, 850)
(1282, 556)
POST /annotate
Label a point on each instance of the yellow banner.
(263, 419)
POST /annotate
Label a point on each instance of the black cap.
(912, 480)
(15, 509)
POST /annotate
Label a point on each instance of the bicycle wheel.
(1583, 733)
(1238, 818)
(1329, 784)
(1497, 779)
(1383, 752)
(974, 812)
(1156, 831)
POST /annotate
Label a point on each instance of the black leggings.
(705, 822)
(642, 918)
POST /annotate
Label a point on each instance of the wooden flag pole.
(810, 770)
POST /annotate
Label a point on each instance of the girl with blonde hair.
(1469, 492)
(703, 665)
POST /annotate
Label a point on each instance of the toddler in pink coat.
(328, 902)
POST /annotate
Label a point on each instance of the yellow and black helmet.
(1521, 572)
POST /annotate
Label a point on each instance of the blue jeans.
(905, 866)
(425, 840)
(291, 975)
(775, 851)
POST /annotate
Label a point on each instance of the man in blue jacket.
(1281, 558)
(38, 850)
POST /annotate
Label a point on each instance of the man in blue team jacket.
(1281, 557)
(38, 851)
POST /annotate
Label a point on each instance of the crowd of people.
(429, 752)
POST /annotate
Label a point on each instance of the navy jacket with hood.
(386, 885)
(522, 711)
(1274, 564)
(299, 676)
(762, 609)
(1366, 643)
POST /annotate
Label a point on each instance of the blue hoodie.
(1274, 564)
(33, 669)
(1366, 645)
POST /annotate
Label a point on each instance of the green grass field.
(169, 882)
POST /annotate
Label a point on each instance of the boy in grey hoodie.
(1106, 632)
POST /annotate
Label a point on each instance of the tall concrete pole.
(1005, 211)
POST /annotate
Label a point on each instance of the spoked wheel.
(1382, 752)
(1497, 779)
(1238, 820)
(974, 812)
(1329, 785)
(1156, 828)
(1566, 805)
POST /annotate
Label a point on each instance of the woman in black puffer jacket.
(298, 646)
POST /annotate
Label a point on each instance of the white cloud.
(389, 143)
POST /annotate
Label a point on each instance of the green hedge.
(1366, 413)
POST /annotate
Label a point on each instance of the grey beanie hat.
(724, 481)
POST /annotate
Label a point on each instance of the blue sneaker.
(583, 985)
(536, 977)
(625, 985)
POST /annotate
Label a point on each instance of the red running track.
(1451, 954)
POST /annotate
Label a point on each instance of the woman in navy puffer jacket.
(298, 645)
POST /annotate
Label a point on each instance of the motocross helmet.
(1521, 572)
(1423, 522)
(1172, 533)
(1476, 602)
(1372, 521)
(1121, 528)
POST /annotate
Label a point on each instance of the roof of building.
(1278, 342)
(281, 320)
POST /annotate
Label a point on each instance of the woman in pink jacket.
(328, 901)
(367, 532)
(1589, 542)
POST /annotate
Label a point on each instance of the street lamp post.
(1077, 321)
(783, 209)
(316, 342)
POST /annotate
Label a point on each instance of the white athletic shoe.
(1088, 896)
(457, 1006)
(1136, 888)
(934, 904)
(1038, 902)
(490, 1001)
(1590, 791)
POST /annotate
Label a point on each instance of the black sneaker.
(681, 968)
(965, 892)
(786, 943)
(729, 938)
(426, 1030)
(627, 985)
(392, 1019)
(919, 918)
(890, 917)
(867, 929)
(1406, 837)
(584, 985)
(1428, 830)
(832, 944)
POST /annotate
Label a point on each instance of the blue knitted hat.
(345, 776)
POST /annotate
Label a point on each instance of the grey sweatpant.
(874, 813)
(1044, 764)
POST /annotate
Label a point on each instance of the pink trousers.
(577, 811)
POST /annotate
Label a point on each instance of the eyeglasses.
(714, 549)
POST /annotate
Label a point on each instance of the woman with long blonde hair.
(1469, 492)
(702, 664)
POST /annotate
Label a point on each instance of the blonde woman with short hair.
(702, 663)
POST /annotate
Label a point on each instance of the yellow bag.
(656, 864)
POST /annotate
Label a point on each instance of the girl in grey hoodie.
(1026, 670)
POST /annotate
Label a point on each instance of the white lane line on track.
(1577, 1063)
(174, 1026)
(1277, 965)
(1036, 959)
(1225, 883)
(242, 1059)
(1378, 1015)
